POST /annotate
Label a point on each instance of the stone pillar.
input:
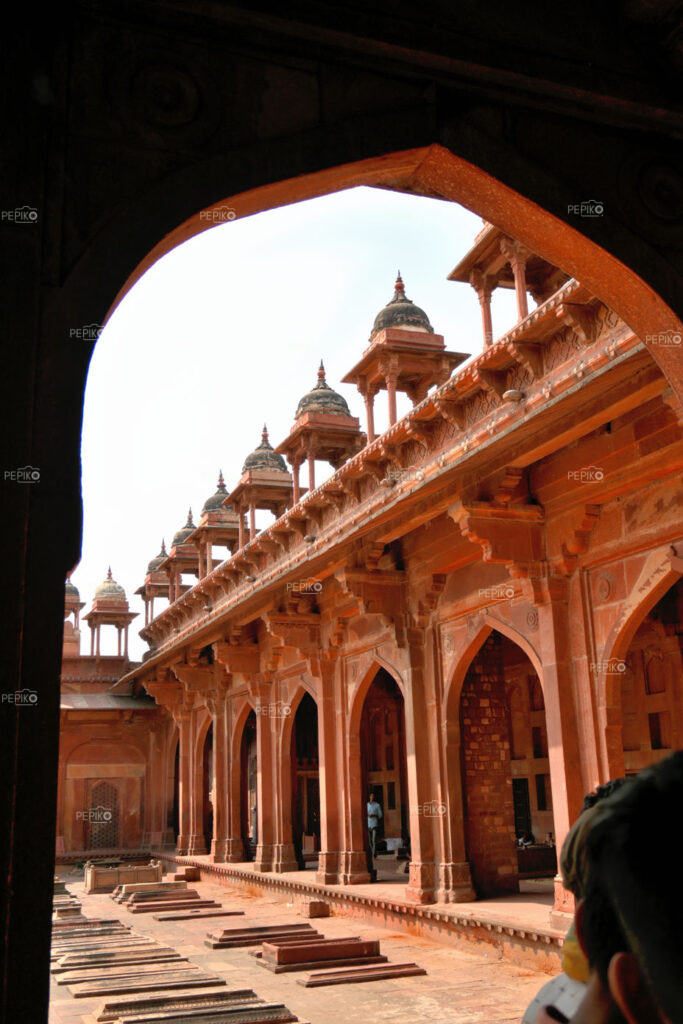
(252, 520)
(354, 863)
(234, 846)
(216, 703)
(197, 843)
(183, 719)
(482, 285)
(284, 854)
(240, 513)
(311, 469)
(517, 255)
(329, 777)
(295, 463)
(568, 788)
(265, 790)
(424, 797)
(369, 398)
(392, 380)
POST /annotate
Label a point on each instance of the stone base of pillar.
(196, 846)
(182, 846)
(420, 888)
(455, 883)
(218, 850)
(353, 868)
(284, 858)
(234, 851)
(328, 868)
(263, 861)
(562, 914)
(59, 845)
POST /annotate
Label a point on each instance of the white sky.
(226, 332)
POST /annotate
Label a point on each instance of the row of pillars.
(122, 648)
(517, 256)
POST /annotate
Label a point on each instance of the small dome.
(322, 398)
(181, 536)
(215, 502)
(110, 590)
(71, 591)
(158, 559)
(401, 312)
(264, 457)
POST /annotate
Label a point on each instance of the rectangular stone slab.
(271, 1013)
(62, 949)
(266, 929)
(121, 960)
(154, 894)
(150, 908)
(92, 925)
(148, 887)
(103, 973)
(245, 940)
(125, 1008)
(187, 915)
(325, 949)
(346, 976)
(311, 965)
(91, 989)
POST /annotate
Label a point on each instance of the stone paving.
(460, 987)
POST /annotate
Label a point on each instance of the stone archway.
(249, 787)
(383, 766)
(305, 782)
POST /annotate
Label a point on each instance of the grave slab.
(346, 975)
(189, 979)
(124, 1008)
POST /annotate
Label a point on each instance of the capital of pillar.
(455, 883)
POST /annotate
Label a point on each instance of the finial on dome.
(163, 546)
(109, 575)
(321, 373)
(264, 435)
(189, 517)
(399, 286)
(221, 481)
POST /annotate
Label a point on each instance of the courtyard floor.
(462, 987)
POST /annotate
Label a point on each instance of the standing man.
(374, 814)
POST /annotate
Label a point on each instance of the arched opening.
(208, 791)
(507, 800)
(652, 685)
(383, 775)
(305, 783)
(248, 787)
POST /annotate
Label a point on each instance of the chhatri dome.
(158, 559)
(181, 536)
(321, 398)
(70, 590)
(264, 457)
(215, 502)
(110, 590)
(401, 312)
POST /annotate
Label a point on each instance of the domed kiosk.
(404, 354)
(109, 608)
(265, 483)
(218, 526)
(156, 583)
(323, 429)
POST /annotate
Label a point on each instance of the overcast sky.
(226, 332)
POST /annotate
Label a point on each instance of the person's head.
(573, 854)
(629, 919)
(371, 797)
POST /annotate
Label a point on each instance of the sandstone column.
(216, 703)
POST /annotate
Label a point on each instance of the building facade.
(476, 617)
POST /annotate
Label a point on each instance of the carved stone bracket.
(586, 518)
(581, 318)
(508, 535)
